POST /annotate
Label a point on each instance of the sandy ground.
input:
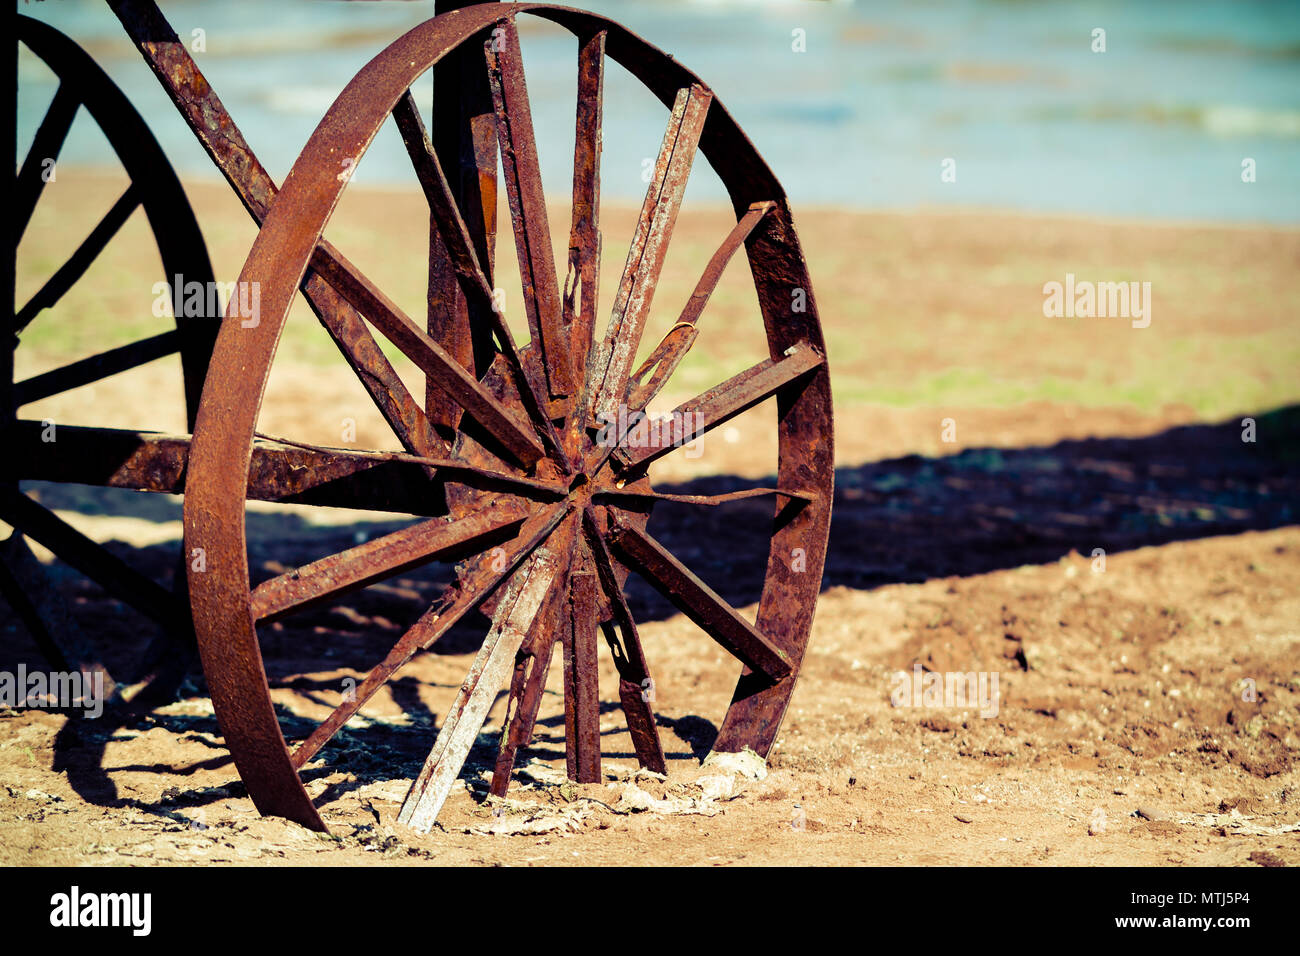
(1148, 707)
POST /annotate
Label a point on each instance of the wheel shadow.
(901, 520)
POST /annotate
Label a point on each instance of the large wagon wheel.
(527, 469)
(153, 187)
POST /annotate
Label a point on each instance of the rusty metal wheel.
(546, 510)
(154, 188)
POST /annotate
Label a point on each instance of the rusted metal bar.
(718, 263)
(581, 285)
(458, 247)
(514, 616)
(523, 180)
(144, 461)
(457, 601)
(440, 539)
(698, 601)
(454, 379)
(532, 666)
(635, 685)
(72, 270)
(198, 103)
(465, 144)
(663, 361)
(451, 227)
(377, 375)
(710, 500)
(581, 687)
(96, 367)
(526, 688)
(720, 404)
(114, 575)
(649, 246)
(635, 698)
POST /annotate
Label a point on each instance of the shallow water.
(1156, 127)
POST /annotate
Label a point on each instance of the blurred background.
(1154, 127)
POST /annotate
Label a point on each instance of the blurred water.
(1156, 127)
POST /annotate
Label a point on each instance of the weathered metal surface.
(432, 359)
(523, 179)
(581, 687)
(440, 539)
(635, 685)
(491, 668)
(279, 471)
(668, 354)
(467, 593)
(532, 665)
(465, 144)
(708, 500)
(462, 259)
(720, 404)
(203, 111)
(581, 284)
(645, 258)
(699, 602)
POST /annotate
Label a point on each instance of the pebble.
(1097, 824)
(962, 819)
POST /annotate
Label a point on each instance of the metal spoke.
(280, 470)
(437, 191)
(523, 180)
(663, 361)
(465, 142)
(532, 665)
(581, 284)
(514, 617)
(439, 539)
(709, 500)
(457, 601)
(45, 146)
(376, 374)
(76, 266)
(634, 682)
(415, 343)
(693, 418)
(581, 681)
(460, 250)
(698, 601)
(96, 367)
(645, 258)
(212, 125)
